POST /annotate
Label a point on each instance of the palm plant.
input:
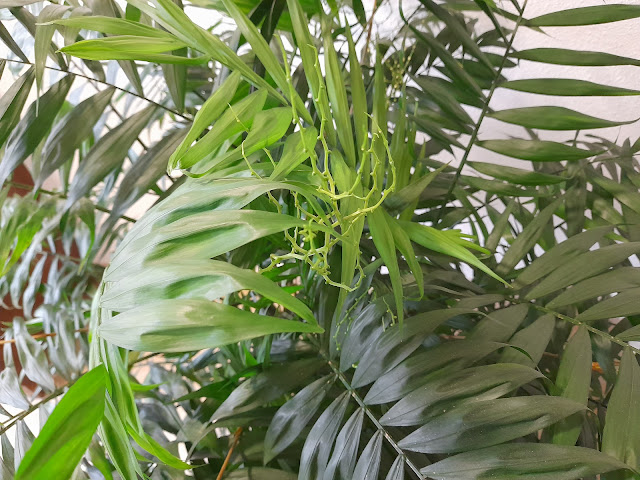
(316, 291)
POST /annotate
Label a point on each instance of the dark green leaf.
(566, 87)
(69, 133)
(398, 342)
(533, 339)
(616, 280)
(553, 118)
(317, 447)
(107, 154)
(516, 175)
(562, 252)
(368, 464)
(33, 126)
(345, 452)
(536, 150)
(573, 382)
(621, 305)
(507, 462)
(561, 56)
(414, 371)
(584, 266)
(527, 239)
(293, 416)
(12, 102)
(620, 438)
(487, 423)
(586, 16)
(460, 388)
(278, 380)
(498, 326)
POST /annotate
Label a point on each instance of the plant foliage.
(329, 281)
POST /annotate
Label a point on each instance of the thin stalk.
(43, 335)
(91, 79)
(29, 188)
(414, 468)
(483, 113)
(575, 321)
(16, 418)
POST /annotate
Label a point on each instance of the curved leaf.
(192, 324)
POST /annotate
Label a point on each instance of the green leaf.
(562, 252)
(467, 386)
(310, 60)
(33, 126)
(64, 438)
(106, 154)
(444, 242)
(458, 30)
(345, 452)
(215, 105)
(383, 240)
(498, 326)
(403, 244)
(297, 148)
(405, 197)
(338, 98)
(69, 133)
(586, 16)
(210, 280)
(616, 280)
(317, 447)
(621, 305)
(533, 339)
(114, 26)
(516, 175)
(584, 266)
(362, 332)
(287, 424)
(144, 173)
(414, 371)
(487, 423)
(573, 381)
(190, 324)
(396, 472)
(154, 448)
(358, 92)
(536, 150)
(566, 87)
(8, 40)
(398, 342)
(553, 118)
(368, 464)
(561, 56)
(527, 239)
(506, 462)
(261, 49)
(172, 227)
(620, 438)
(130, 47)
(12, 102)
(43, 36)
